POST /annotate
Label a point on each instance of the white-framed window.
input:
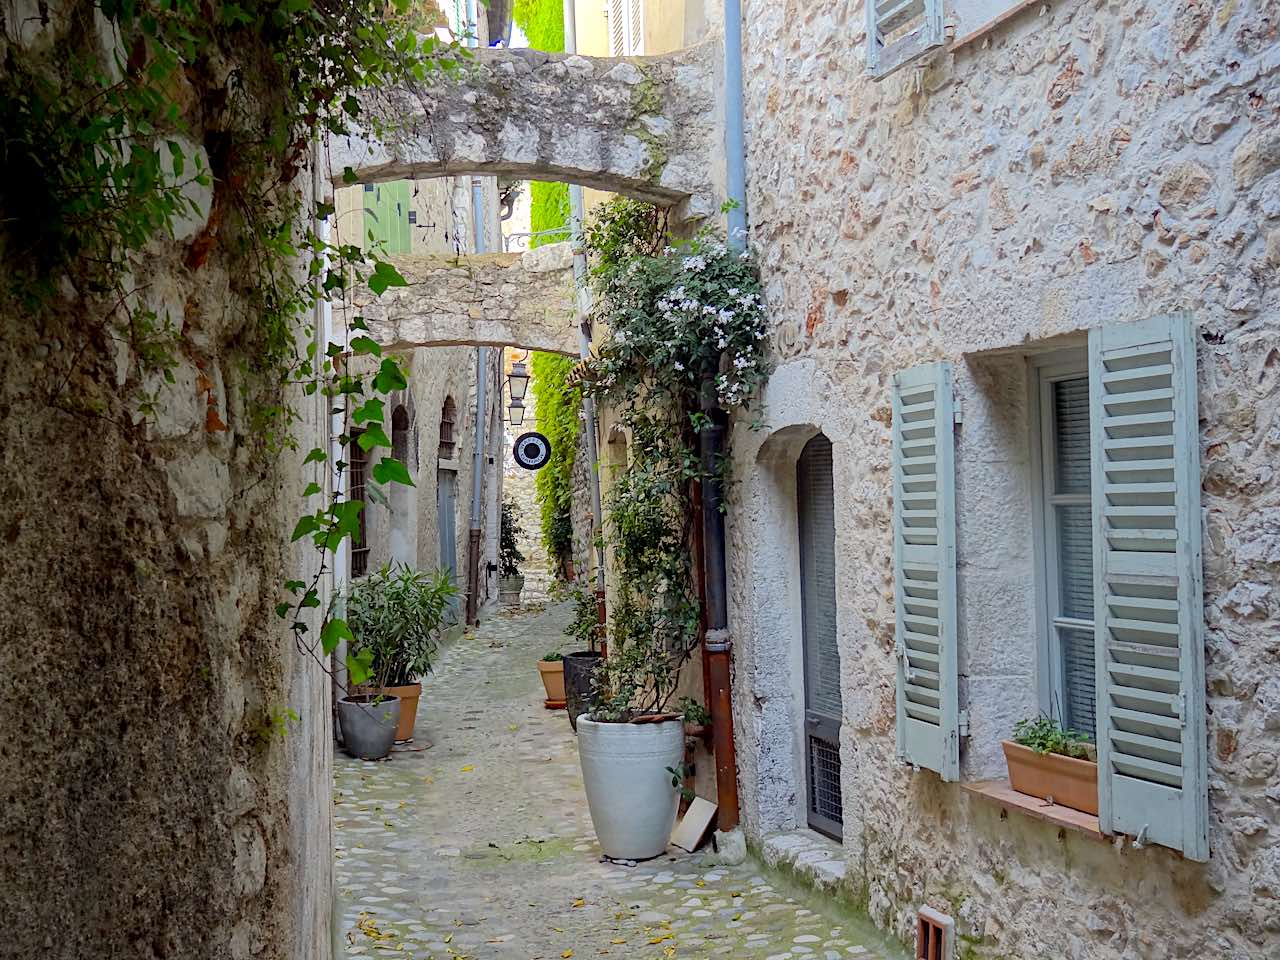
(1063, 518)
(626, 27)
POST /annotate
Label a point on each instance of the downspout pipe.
(576, 212)
(719, 648)
(477, 470)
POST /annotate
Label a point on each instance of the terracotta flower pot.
(1069, 782)
(552, 673)
(408, 695)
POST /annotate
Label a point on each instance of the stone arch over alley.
(492, 299)
(645, 127)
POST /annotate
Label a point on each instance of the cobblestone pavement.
(480, 845)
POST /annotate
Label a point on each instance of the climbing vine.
(542, 23)
(557, 403)
(126, 120)
(682, 319)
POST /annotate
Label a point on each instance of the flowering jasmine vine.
(676, 314)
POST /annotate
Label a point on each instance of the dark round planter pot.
(579, 680)
(368, 728)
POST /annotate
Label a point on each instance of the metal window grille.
(825, 799)
(358, 473)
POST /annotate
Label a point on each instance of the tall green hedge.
(542, 22)
(557, 406)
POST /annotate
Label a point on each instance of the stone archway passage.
(641, 126)
(489, 299)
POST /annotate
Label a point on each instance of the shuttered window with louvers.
(635, 28)
(899, 31)
(924, 558)
(1152, 776)
(618, 28)
(816, 520)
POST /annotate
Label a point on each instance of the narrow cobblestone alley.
(481, 846)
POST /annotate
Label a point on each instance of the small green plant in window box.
(1052, 763)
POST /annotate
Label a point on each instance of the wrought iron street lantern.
(516, 411)
(518, 380)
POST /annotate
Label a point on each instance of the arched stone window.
(447, 414)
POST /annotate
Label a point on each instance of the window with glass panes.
(1067, 521)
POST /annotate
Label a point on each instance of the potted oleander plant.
(510, 581)
(1048, 761)
(395, 616)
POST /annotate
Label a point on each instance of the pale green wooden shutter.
(924, 568)
(900, 31)
(1152, 779)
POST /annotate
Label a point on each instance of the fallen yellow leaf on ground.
(468, 768)
(617, 940)
(567, 954)
(579, 902)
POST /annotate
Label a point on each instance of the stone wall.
(645, 126)
(149, 807)
(1083, 163)
(493, 299)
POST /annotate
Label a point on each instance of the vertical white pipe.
(734, 137)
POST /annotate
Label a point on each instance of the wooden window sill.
(1000, 792)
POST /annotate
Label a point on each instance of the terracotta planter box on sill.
(1066, 781)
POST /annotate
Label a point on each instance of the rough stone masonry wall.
(644, 126)
(1086, 162)
(493, 299)
(145, 808)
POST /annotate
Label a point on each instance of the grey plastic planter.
(368, 728)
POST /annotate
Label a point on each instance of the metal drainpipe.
(477, 477)
(711, 444)
(584, 351)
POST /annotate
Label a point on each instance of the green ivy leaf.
(373, 436)
(389, 377)
(349, 175)
(391, 470)
(312, 489)
(282, 610)
(333, 633)
(384, 276)
(317, 455)
(369, 412)
(366, 345)
(305, 525)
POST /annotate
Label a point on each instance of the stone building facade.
(1076, 168)
(433, 421)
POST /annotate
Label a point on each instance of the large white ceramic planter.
(624, 769)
